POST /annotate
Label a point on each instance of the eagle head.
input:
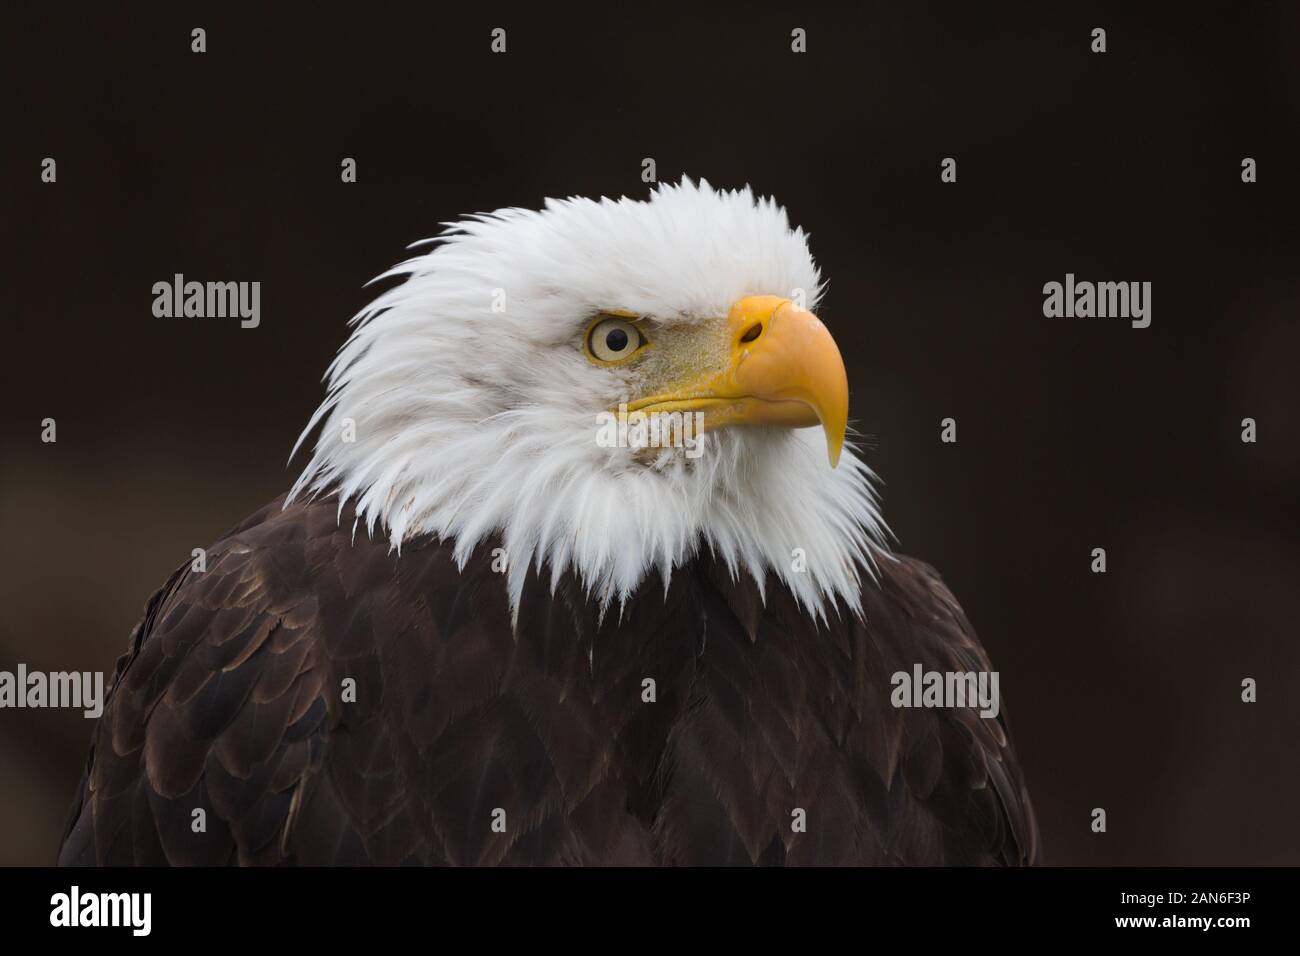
(610, 387)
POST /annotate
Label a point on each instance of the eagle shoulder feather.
(324, 700)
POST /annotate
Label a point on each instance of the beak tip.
(833, 449)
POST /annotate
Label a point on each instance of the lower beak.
(784, 369)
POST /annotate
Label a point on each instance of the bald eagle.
(474, 632)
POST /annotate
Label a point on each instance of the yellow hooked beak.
(784, 369)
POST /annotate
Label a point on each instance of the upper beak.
(784, 369)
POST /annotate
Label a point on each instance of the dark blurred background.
(1123, 689)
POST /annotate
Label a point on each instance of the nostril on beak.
(753, 332)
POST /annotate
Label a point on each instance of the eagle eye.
(612, 340)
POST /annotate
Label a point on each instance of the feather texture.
(230, 700)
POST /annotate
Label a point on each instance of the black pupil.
(616, 340)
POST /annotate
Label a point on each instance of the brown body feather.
(230, 700)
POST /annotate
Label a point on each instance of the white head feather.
(474, 408)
